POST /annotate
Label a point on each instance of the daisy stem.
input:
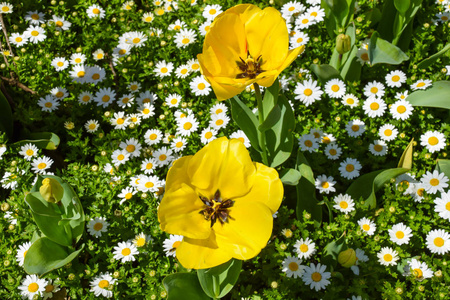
(262, 135)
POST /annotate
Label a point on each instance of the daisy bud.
(347, 258)
(343, 43)
(51, 190)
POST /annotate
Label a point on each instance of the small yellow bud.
(343, 43)
(347, 258)
(51, 190)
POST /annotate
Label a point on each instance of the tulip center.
(250, 67)
(216, 208)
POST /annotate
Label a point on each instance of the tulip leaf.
(270, 98)
(407, 156)
(218, 281)
(306, 191)
(279, 139)
(325, 72)
(332, 250)
(272, 118)
(42, 140)
(435, 96)
(184, 286)
(365, 186)
(45, 255)
(381, 51)
(6, 119)
(246, 120)
(290, 176)
(402, 5)
(443, 166)
(41, 207)
(433, 58)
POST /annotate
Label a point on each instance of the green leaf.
(306, 191)
(339, 9)
(433, 58)
(290, 176)
(272, 118)
(6, 119)
(443, 166)
(365, 186)
(387, 19)
(332, 250)
(218, 281)
(246, 120)
(45, 255)
(435, 96)
(407, 156)
(381, 51)
(325, 72)
(41, 207)
(42, 140)
(271, 98)
(402, 5)
(351, 70)
(184, 286)
(279, 139)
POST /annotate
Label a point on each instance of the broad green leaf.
(306, 191)
(279, 139)
(381, 51)
(365, 186)
(272, 118)
(184, 286)
(332, 250)
(6, 119)
(339, 9)
(387, 19)
(433, 58)
(218, 281)
(271, 98)
(246, 120)
(350, 13)
(325, 72)
(41, 207)
(290, 176)
(407, 156)
(402, 5)
(351, 70)
(443, 166)
(435, 96)
(45, 255)
(42, 140)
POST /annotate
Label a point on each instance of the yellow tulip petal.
(179, 213)
(268, 188)
(267, 78)
(178, 174)
(222, 164)
(292, 55)
(248, 230)
(267, 36)
(224, 91)
(201, 254)
(245, 11)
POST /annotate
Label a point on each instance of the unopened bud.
(347, 258)
(343, 43)
(51, 190)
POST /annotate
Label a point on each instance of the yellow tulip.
(221, 202)
(51, 190)
(245, 45)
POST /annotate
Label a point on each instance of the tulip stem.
(262, 135)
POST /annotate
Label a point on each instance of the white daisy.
(153, 136)
(28, 151)
(193, 65)
(350, 100)
(78, 73)
(163, 69)
(95, 11)
(387, 256)
(325, 184)
(134, 87)
(18, 39)
(350, 168)
(401, 95)
(35, 34)
(378, 148)
(146, 110)
(97, 226)
(395, 78)
(146, 97)
(207, 135)
(421, 84)
(374, 89)
(148, 165)
(50, 289)
(433, 141)
(434, 182)
(291, 8)
(219, 121)
(178, 144)
(126, 100)
(316, 277)
(187, 125)
(77, 58)
(182, 71)
(91, 126)
(308, 92)
(304, 21)
(419, 270)
(173, 100)
(49, 103)
(442, 205)
(298, 39)
(388, 132)
(59, 93)
(95, 74)
(316, 13)
(41, 164)
(171, 244)
(141, 239)
(308, 142)
(212, 11)
(119, 121)
(367, 226)
(292, 267)
(438, 241)
(105, 96)
(335, 88)
(355, 128)
(400, 234)
(61, 23)
(241, 136)
(21, 252)
(305, 248)
(132, 146)
(32, 286)
(103, 285)
(119, 157)
(135, 39)
(199, 86)
(416, 191)
(163, 156)
(344, 203)
(374, 107)
(126, 194)
(35, 17)
(184, 38)
(401, 110)
(125, 251)
(333, 151)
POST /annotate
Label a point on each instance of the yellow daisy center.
(98, 226)
(96, 11)
(421, 84)
(438, 242)
(307, 92)
(121, 157)
(325, 185)
(201, 86)
(335, 88)
(35, 16)
(106, 98)
(33, 287)
(59, 63)
(35, 33)
(187, 125)
(399, 234)
(343, 204)
(387, 257)
(126, 251)
(374, 106)
(293, 266)
(304, 248)
(131, 148)
(366, 227)
(395, 78)
(162, 157)
(59, 94)
(208, 135)
(388, 132)
(49, 288)
(128, 196)
(316, 276)
(433, 140)
(81, 74)
(136, 40)
(140, 242)
(103, 283)
(378, 148)
(333, 151)
(153, 136)
(164, 70)
(350, 101)
(42, 166)
(59, 23)
(29, 152)
(308, 143)
(185, 41)
(92, 126)
(120, 121)
(355, 128)
(434, 182)
(374, 90)
(349, 167)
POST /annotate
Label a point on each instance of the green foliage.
(436, 96)
(218, 281)
(381, 51)
(433, 58)
(183, 286)
(6, 119)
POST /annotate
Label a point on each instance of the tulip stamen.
(216, 209)
(250, 67)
